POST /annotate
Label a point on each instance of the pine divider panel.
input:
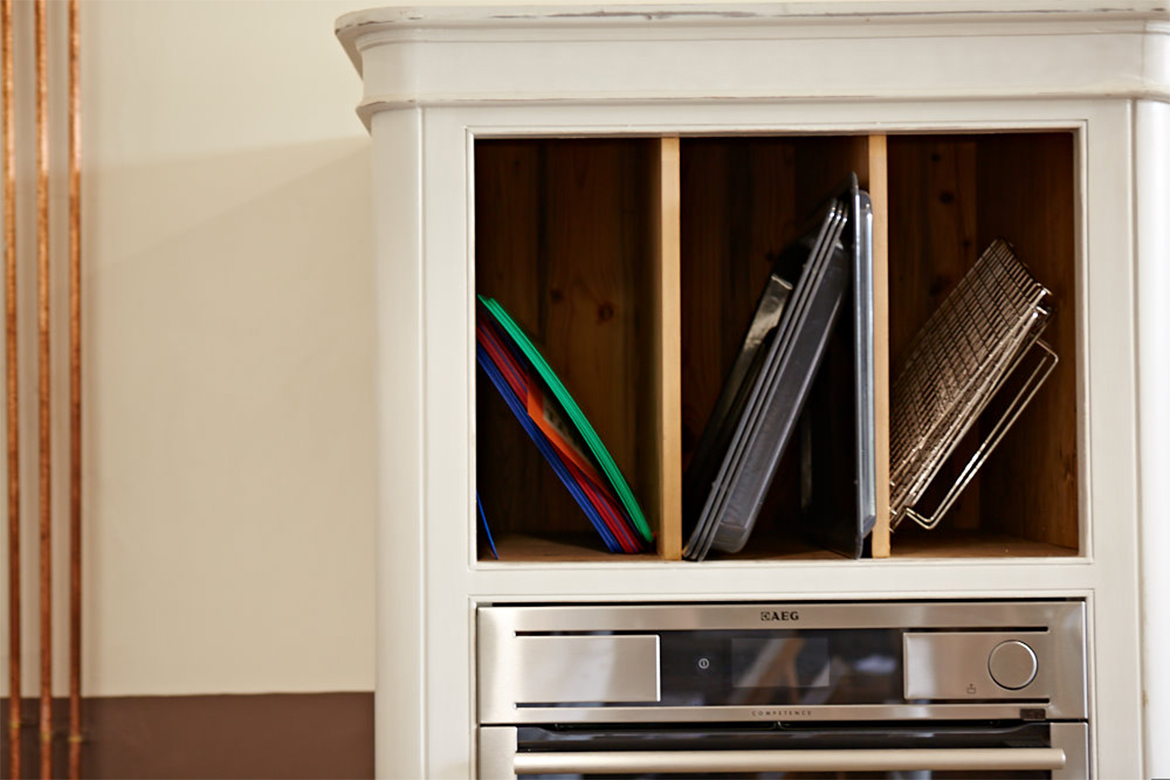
(666, 205)
(876, 182)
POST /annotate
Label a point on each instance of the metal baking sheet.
(699, 543)
(838, 471)
(728, 480)
(767, 397)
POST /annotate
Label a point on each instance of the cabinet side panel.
(400, 704)
(1108, 365)
(1153, 292)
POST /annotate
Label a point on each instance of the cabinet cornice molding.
(797, 51)
(472, 18)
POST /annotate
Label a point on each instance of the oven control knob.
(1012, 665)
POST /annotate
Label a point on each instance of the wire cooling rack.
(985, 330)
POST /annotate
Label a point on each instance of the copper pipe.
(9, 143)
(46, 526)
(74, 392)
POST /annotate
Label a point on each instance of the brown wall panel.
(315, 735)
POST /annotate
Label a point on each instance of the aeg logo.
(768, 616)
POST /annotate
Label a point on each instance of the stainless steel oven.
(895, 689)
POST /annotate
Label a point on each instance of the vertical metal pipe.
(45, 420)
(13, 419)
(74, 391)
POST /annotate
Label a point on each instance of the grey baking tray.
(762, 399)
(777, 391)
(717, 434)
(838, 475)
(745, 423)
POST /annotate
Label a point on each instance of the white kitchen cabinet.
(618, 176)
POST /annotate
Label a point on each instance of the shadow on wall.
(229, 434)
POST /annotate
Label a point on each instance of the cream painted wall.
(229, 411)
(231, 445)
(229, 408)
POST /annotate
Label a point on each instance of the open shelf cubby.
(636, 263)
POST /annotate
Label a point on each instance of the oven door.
(1019, 750)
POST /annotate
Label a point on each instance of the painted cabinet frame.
(428, 102)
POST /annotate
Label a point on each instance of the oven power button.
(1012, 664)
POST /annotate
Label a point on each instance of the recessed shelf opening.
(950, 197)
(635, 265)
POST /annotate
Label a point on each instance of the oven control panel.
(979, 665)
(1012, 660)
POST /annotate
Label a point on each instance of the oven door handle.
(733, 761)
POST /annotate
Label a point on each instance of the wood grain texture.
(667, 341)
(739, 211)
(933, 242)
(563, 242)
(1027, 195)
(877, 184)
(582, 548)
(950, 196)
(514, 484)
(640, 299)
(562, 548)
(823, 164)
(973, 544)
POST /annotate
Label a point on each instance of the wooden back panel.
(1027, 195)
(563, 241)
(950, 196)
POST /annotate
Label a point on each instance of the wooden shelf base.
(911, 544)
(522, 548)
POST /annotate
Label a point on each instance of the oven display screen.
(789, 662)
(781, 667)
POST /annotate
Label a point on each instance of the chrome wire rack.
(985, 332)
